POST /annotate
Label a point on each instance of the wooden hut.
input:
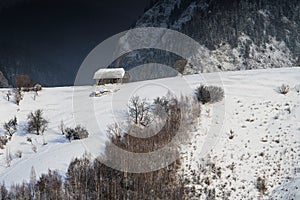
(110, 76)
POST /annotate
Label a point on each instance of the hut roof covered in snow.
(109, 73)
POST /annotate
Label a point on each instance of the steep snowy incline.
(266, 127)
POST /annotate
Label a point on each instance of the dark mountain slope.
(238, 34)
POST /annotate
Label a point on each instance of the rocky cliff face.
(235, 35)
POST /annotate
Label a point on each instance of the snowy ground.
(266, 127)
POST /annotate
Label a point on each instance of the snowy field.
(265, 126)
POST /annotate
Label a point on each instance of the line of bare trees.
(91, 179)
(23, 83)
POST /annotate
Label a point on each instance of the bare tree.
(18, 96)
(49, 186)
(10, 127)
(91, 179)
(139, 111)
(8, 157)
(161, 106)
(36, 122)
(62, 127)
(23, 81)
(32, 181)
(3, 192)
(8, 94)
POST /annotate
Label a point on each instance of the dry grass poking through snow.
(261, 158)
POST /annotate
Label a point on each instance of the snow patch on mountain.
(274, 54)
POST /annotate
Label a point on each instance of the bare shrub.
(18, 154)
(44, 141)
(34, 148)
(139, 111)
(284, 89)
(3, 141)
(115, 130)
(18, 96)
(3, 191)
(49, 186)
(29, 139)
(8, 157)
(10, 127)
(23, 82)
(36, 123)
(77, 133)
(209, 94)
(231, 134)
(261, 185)
(161, 106)
(206, 174)
(62, 127)
(80, 133)
(91, 179)
(8, 95)
(181, 114)
(297, 88)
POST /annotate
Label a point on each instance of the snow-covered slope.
(266, 127)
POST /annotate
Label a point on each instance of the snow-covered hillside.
(264, 123)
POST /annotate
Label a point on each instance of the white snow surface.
(263, 121)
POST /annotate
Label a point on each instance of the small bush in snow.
(114, 130)
(77, 133)
(34, 148)
(297, 88)
(8, 157)
(284, 89)
(36, 123)
(18, 96)
(231, 135)
(261, 185)
(62, 127)
(10, 127)
(29, 139)
(18, 154)
(8, 94)
(3, 141)
(209, 94)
